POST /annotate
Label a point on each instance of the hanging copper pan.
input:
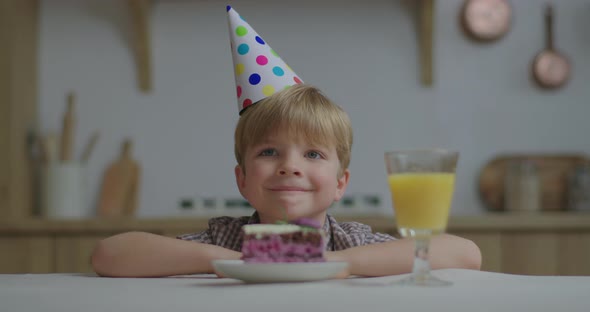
(486, 20)
(550, 68)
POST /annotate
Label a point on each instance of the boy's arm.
(139, 254)
(397, 257)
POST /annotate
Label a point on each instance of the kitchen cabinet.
(18, 105)
(535, 244)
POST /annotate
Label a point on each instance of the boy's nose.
(285, 171)
(289, 167)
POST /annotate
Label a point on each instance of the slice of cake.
(300, 241)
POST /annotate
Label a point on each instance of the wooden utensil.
(48, 146)
(68, 128)
(120, 185)
(140, 20)
(552, 172)
(426, 17)
(550, 68)
(90, 147)
(486, 20)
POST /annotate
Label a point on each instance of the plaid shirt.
(227, 232)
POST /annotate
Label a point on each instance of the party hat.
(259, 70)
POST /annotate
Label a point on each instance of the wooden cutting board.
(553, 170)
(120, 185)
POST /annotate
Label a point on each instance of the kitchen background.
(363, 54)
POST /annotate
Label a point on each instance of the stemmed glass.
(421, 184)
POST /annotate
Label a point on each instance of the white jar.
(522, 189)
(579, 188)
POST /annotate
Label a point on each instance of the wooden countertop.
(485, 222)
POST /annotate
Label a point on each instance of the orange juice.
(421, 200)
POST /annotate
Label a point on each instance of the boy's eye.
(314, 155)
(268, 152)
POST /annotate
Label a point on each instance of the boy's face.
(289, 176)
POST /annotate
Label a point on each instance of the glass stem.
(421, 268)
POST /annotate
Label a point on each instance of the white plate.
(278, 272)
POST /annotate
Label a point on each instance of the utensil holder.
(64, 191)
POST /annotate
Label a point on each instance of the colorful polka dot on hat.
(259, 70)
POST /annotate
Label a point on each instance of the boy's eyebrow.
(264, 141)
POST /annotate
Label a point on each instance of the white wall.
(363, 54)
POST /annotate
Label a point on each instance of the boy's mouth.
(288, 189)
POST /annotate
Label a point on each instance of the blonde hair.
(303, 111)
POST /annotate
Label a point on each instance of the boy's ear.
(342, 184)
(240, 179)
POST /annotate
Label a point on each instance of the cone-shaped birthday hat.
(259, 70)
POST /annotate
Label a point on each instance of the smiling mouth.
(288, 189)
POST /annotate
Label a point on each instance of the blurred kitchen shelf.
(489, 221)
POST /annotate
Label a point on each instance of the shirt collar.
(254, 219)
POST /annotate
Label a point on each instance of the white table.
(472, 291)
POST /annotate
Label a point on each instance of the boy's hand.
(234, 256)
(343, 274)
(219, 274)
(334, 256)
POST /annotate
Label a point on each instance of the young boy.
(293, 149)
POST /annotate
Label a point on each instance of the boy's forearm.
(138, 254)
(397, 257)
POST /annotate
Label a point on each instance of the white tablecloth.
(471, 291)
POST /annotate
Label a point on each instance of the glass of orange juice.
(421, 184)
